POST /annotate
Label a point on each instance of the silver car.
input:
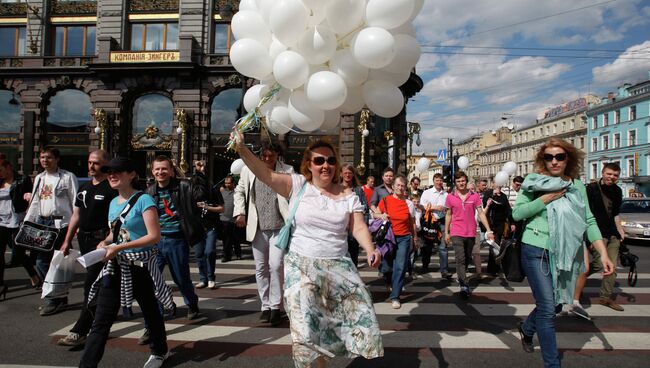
(635, 218)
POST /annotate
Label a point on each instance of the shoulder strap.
(292, 214)
(117, 224)
(34, 192)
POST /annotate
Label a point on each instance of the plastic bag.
(60, 275)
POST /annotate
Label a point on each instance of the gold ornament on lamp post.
(102, 125)
(363, 129)
(181, 116)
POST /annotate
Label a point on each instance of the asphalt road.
(434, 328)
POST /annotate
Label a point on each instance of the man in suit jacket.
(263, 213)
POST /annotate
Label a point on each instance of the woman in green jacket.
(553, 203)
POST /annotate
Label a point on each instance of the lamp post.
(413, 130)
(102, 125)
(181, 116)
(363, 129)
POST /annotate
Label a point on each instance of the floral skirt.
(330, 310)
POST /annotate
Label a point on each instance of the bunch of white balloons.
(329, 56)
(502, 178)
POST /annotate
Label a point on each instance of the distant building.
(619, 128)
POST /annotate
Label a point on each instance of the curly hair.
(575, 157)
(306, 161)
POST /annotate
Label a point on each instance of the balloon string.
(253, 118)
(338, 40)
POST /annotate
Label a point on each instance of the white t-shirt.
(321, 223)
(434, 198)
(46, 193)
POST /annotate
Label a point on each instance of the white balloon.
(317, 44)
(317, 11)
(248, 5)
(501, 178)
(278, 120)
(237, 166)
(463, 162)
(250, 24)
(265, 7)
(407, 54)
(374, 47)
(423, 164)
(251, 58)
(345, 15)
(354, 102)
(383, 98)
(254, 95)
(288, 20)
(344, 64)
(268, 106)
(326, 90)
(276, 47)
(406, 28)
(304, 115)
(510, 167)
(417, 6)
(332, 119)
(290, 69)
(388, 13)
(382, 74)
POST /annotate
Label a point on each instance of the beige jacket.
(244, 189)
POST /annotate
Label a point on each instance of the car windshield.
(642, 206)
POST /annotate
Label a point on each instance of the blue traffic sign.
(442, 156)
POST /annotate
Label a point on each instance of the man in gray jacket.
(263, 213)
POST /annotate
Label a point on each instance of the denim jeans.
(176, 253)
(206, 255)
(541, 320)
(394, 269)
(43, 259)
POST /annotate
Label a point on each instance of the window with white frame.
(631, 137)
(554, 128)
(594, 122)
(605, 144)
(605, 119)
(573, 124)
(564, 126)
(630, 167)
(548, 130)
(632, 113)
(617, 116)
(594, 144)
(617, 140)
(594, 170)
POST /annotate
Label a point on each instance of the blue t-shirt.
(133, 227)
(170, 221)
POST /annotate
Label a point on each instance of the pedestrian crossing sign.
(442, 156)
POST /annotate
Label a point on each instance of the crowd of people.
(306, 231)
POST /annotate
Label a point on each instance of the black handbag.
(35, 236)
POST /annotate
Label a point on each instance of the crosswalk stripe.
(391, 339)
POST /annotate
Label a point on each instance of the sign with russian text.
(569, 106)
(145, 57)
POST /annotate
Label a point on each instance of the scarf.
(566, 227)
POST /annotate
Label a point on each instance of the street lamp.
(363, 129)
(413, 130)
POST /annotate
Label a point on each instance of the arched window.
(224, 111)
(69, 111)
(153, 109)
(9, 112)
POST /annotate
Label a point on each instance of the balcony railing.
(148, 6)
(74, 7)
(45, 62)
(13, 9)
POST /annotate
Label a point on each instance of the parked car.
(635, 218)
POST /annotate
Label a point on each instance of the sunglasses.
(559, 157)
(320, 160)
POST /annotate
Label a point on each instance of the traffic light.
(447, 174)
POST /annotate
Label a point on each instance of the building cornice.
(617, 104)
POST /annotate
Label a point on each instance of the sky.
(483, 60)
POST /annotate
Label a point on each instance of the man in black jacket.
(180, 225)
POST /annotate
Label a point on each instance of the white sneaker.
(212, 285)
(396, 304)
(200, 285)
(156, 361)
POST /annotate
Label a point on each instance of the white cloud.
(628, 67)
(606, 35)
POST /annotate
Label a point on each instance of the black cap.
(118, 164)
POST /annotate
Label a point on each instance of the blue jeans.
(394, 269)
(206, 255)
(176, 253)
(541, 320)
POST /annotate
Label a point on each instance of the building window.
(225, 110)
(605, 119)
(630, 167)
(548, 130)
(617, 116)
(223, 38)
(594, 122)
(154, 36)
(13, 41)
(582, 142)
(594, 170)
(617, 140)
(605, 144)
(573, 124)
(554, 128)
(69, 111)
(154, 110)
(631, 138)
(564, 126)
(632, 113)
(594, 144)
(74, 40)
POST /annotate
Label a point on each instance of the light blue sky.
(526, 56)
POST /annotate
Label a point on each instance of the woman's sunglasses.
(559, 157)
(320, 160)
